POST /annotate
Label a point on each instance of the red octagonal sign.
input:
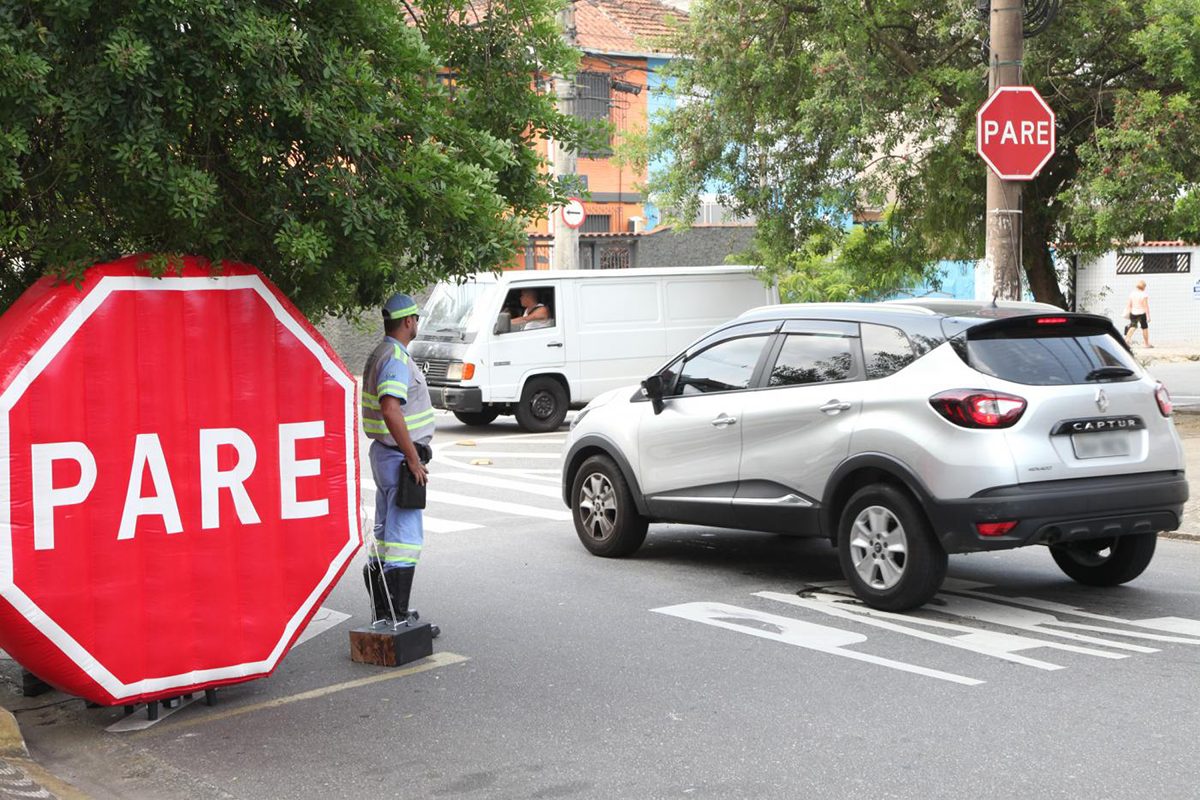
(178, 479)
(1014, 132)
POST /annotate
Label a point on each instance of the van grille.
(435, 369)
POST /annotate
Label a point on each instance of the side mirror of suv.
(653, 387)
(503, 323)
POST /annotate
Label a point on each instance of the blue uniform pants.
(399, 532)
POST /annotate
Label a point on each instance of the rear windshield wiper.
(1109, 372)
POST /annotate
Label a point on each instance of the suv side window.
(813, 358)
(724, 367)
(886, 350)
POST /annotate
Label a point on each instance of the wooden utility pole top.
(563, 160)
(1003, 244)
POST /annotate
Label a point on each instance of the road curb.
(12, 743)
(21, 776)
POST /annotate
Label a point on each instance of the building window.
(593, 99)
(1153, 263)
(597, 223)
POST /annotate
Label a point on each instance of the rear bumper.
(1062, 511)
(457, 398)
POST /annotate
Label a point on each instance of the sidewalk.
(1188, 425)
(20, 777)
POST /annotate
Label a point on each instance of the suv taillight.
(1164, 399)
(978, 408)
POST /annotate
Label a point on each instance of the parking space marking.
(433, 662)
(798, 633)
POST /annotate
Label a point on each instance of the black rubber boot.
(373, 578)
(399, 584)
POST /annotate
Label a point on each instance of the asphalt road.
(711, 664)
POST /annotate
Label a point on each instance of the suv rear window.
(1042, 351)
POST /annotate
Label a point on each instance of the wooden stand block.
(386, 646)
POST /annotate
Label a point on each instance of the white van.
(606, 328)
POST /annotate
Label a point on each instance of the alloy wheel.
(598, 505)
(878, 547)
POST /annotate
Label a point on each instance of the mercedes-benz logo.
(425, 368)
(1101, 400)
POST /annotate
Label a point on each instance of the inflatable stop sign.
(178, 479)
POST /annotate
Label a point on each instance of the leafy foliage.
(806, 114)
(346, 147)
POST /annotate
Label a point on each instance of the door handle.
(555, 344)
(835, 407)
(724, 421)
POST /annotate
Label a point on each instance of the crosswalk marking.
(471, 452)
(499, 483)
(453, 498)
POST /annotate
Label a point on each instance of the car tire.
(887, 550)
(543, 405)
(605, 515)
(1106, 562)
(477, 419)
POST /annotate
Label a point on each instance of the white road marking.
(1190, 627)
(479, 479)
(988, 643)
(436, 525)
(323, 620)
(985, 609)
(797, 633)
(471, 452)
(453, 498)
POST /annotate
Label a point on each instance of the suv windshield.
(449, 307)
(1070, 351)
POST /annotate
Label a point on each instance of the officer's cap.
(398, 306)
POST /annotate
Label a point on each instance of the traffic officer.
(397, 416)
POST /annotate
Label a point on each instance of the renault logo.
(1101, 400)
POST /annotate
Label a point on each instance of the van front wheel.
(543, 406)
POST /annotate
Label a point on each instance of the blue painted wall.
(957, 282)
(657, 103)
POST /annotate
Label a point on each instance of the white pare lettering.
(147, 451)
(213, 480)
(47, 497)
(291, 468)
(161, 501)
(1023, 132)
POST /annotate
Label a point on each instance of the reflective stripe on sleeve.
(394, 388)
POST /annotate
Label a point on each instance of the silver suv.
(899, 431)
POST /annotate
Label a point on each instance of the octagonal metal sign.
(178, 478)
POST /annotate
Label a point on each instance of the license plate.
(1100, 445)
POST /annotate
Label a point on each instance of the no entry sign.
(1014, 132)
(178, 479)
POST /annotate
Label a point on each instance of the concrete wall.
(1174, 297)
(694, 247)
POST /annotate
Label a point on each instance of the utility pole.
(562, 159)
(1003, 244)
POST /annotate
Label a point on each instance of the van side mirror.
(503, 323)
(653, 387)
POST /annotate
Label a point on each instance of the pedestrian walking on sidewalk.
(398, 417)
(1137, 309)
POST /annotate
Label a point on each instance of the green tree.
(346, 147)
(806, 113)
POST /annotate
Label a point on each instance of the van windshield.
(449, 309)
